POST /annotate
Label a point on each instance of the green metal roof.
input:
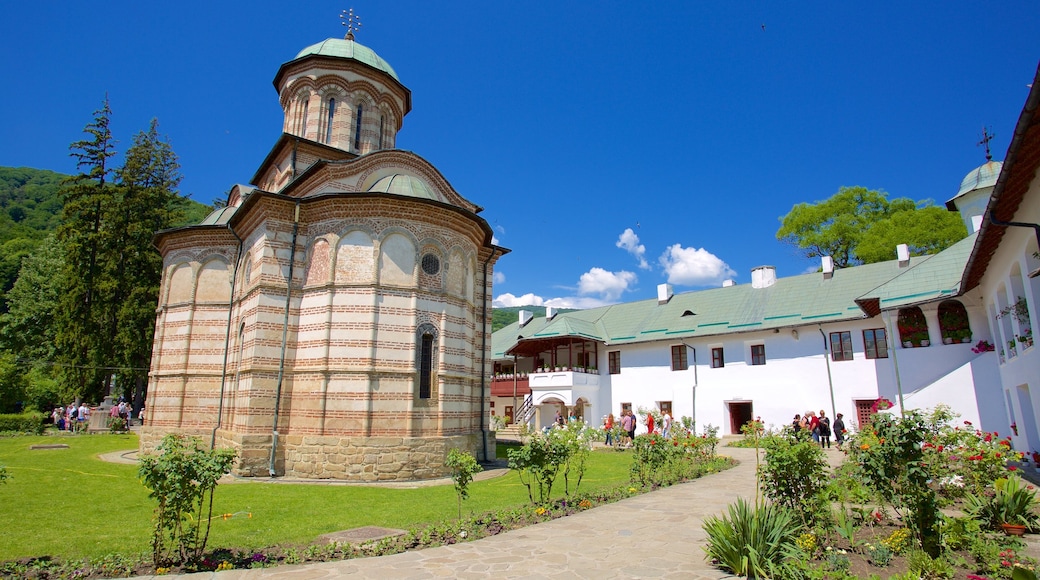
(790, 302)
(343, 48)
(937, 276)
(401, 184)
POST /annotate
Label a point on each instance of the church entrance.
(739, 415)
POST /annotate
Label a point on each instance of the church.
(333, 320)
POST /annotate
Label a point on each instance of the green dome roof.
(400, 184)
(982, 176)
(343, 48)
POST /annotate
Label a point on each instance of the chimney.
(664, 293)
(827, 265)
(763, 276)
(549, 312)
(976, 223)
(525, 317)
(727, 283)
(903, 254)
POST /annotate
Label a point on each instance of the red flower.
(940, 448)
(652, 442)
(1012, 468)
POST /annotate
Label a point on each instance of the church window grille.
(357, 128)
(328, 124)
(426, 351)
(431, 265)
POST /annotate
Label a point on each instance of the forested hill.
(30, 210)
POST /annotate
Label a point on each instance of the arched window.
(913, 328)
(426, 353)
(953, 322)
(357, 129)
(328, 122)
(304, 105)
(382, 125)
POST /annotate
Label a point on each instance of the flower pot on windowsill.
(948, 340)
(926, 342)
(907, 344)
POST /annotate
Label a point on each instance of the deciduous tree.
(859, 225)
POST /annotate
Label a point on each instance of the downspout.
(827, 359)
(895, 361)
(227, 339)
(292, 164)
(996, 222)
(693, 391)
(483, 355)
(285, 338)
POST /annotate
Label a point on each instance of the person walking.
(608, 426)
(839, 430)
(825, 430)
(649, 423)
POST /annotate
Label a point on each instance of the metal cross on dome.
(986, 138)
(351, 21)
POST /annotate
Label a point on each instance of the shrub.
(30, 422)
(462, 465)
(1012, 502)
(795, 475)
(752, 541)
(182, 476)
(891, 462)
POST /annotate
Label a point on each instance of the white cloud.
(498, 278)
(494, 239)
(694, 267)
(507, 300)
(629, 241)
(610, 285)
(579, 302)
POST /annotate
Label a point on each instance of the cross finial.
(351, 21)
(986, 138)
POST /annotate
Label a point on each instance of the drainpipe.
(285, 338)
(483, 356)
(996, 222)
(895, 361)
(693, 390)
(227, 340)
(827, 359)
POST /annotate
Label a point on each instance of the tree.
(28, 328)
(858, 225)
(145, 202)
(85, 198)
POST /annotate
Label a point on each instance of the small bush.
(752, 541)
(30, 423)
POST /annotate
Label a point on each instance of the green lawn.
(68, 503)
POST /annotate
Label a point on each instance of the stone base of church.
(356, 458)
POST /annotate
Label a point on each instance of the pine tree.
(146, 202)
(85, 198)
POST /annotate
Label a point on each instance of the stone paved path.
(654, 535)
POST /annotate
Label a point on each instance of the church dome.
(345, 48)
(401, 184)
(982, 176)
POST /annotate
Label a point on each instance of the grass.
(69, 503)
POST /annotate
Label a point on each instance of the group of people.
(71, 418)
(629, 423)
(77, 417)
(821, 428)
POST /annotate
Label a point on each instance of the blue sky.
(614, 145)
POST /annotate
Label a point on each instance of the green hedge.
(31, 422)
